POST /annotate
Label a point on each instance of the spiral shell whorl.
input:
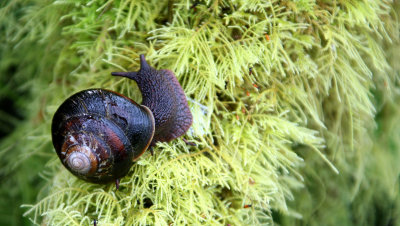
(80, 154)
(79, 162)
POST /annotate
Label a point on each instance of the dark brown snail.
(98, 133)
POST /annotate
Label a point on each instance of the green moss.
(295, 138)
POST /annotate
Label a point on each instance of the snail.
(98, 133)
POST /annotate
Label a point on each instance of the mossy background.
(310, 137)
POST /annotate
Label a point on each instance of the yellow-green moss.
(294, 138)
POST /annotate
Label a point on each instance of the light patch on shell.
(80, 159)
(79, 162)
(102, 163)
(72, 139)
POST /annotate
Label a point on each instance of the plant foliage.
(294, 104)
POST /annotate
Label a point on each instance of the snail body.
(163, 95)
(98, 133)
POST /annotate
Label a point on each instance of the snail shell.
(97, 134)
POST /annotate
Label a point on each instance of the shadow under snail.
(98, 133)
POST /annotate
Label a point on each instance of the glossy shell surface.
(98, 134)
